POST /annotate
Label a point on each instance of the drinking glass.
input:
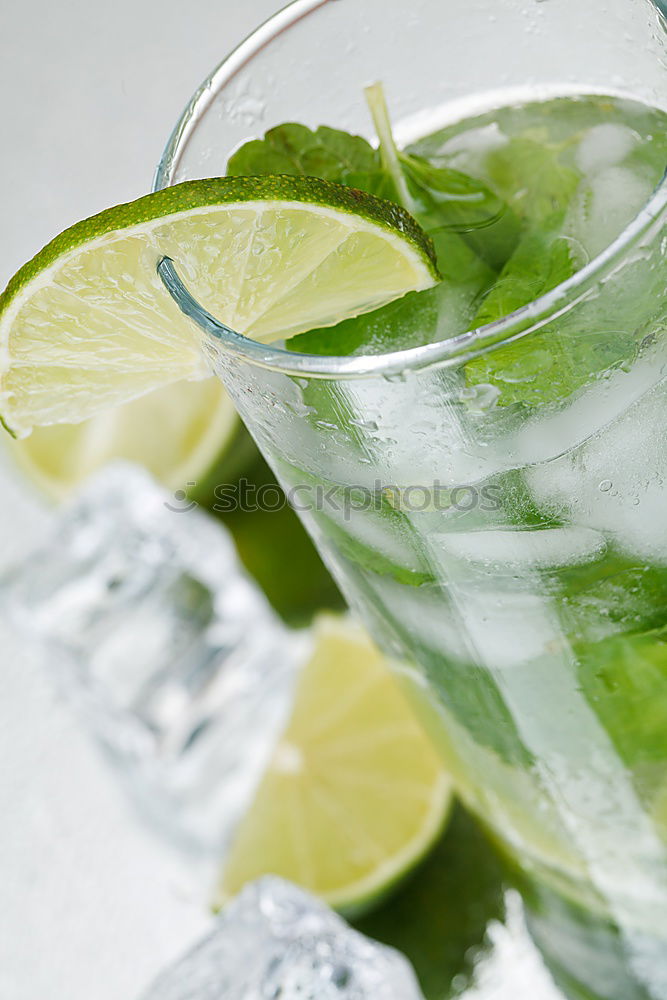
(511, 561)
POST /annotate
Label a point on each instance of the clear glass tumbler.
(512, 562)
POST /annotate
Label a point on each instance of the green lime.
(180, 433)
(355, 793)
(87, 324)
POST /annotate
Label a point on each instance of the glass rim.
(446, 353)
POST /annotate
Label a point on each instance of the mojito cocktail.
(483, 464)
(442, 312)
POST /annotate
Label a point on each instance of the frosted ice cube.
(605, 205)
(378, 533)
(425, 613)
(469, 150)
(507, 629)
(276, 941)
(605, 145)
(615, 481)
(524, 550)
(513, 968)
(148, 622)
(469, 622)
(547, 437)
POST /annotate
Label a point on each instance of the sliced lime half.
(182, 433)
(87, 324)
(355, 794)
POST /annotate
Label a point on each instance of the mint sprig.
(563, 356)
(441, 198)
(497, 239)
(455, 208)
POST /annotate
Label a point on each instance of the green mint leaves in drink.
(328, 153)
(451, 206)
(438, 197)
(443, 198)
(516, 201)
(542, 260)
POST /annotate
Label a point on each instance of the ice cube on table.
(180, 667)
(276, 942)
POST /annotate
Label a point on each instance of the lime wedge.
(180, 433)
(355, 793)
(87, 324)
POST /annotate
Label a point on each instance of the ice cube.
(604, 207)
(276, 942)
(523, 550)
(615, 481)
(507, 629)
(425, 613)
(377, 533)
(469, 150)
(605, 145)
(543, 438)
(148, 622)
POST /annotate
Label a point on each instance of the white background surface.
(91, 906)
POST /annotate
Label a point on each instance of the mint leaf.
(444, 198)
(624, 680)
(447, 197)
(539, 369)
(531, 177)
(541, 261)
(324, 152)
(552, 363)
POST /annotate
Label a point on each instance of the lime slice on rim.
(181, 433)
(355, 793)
(87, 324)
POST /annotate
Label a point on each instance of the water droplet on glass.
(243, 107)
(366, 425)
(480, 398)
